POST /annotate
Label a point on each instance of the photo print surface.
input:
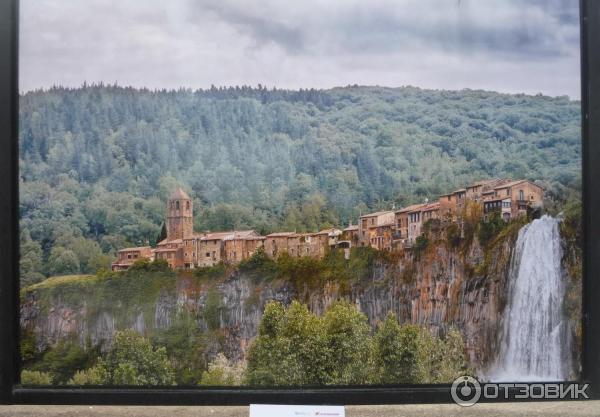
(244, 193)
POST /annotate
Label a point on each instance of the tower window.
(187, 205)
(177, 205)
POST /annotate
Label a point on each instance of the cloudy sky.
(526, 46)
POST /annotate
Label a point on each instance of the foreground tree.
(133, 361)
(295, 347)
(349, 345)
(396, 353)
(290, 348)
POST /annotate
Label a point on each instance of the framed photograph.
(299, 203)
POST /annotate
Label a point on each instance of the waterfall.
(535, 337)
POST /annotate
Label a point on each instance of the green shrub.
(490, 229)
(91, 376)
(453, 235)
(259, 265)
(64, 359)
(421, 244)
(144, 264)
(213, 307)
(222, 372)
(35, 378)
(211, 272)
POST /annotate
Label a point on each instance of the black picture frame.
(12, 392)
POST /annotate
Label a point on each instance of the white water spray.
(535, 338)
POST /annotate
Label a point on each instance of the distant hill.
(97, 162)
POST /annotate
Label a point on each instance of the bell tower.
(180, 216)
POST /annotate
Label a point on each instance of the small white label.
(269, 410)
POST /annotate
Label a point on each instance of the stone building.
(180, 217)
(513, 199)
(126, 257)
(282, 242)
(350, 235)
(376, 229)
(239, 246)
(401, 220)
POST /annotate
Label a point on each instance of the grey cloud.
(538, 33)
(506, 45)
(261, 29)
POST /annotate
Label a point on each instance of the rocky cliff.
(439, 286)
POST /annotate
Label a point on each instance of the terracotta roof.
(283, 234)
(351, 228)
(179, 194)
(377, 213)
(242, 234)
(513, 183)
(139, 248)
(412, 207)
(509, 184)
(328, 232)
(431, 206)
(487, 182)
(167, 242)
(216, 236)
(165, 249)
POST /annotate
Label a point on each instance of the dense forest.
(98, 162)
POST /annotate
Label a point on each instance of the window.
(129, 256)
(208, 254)
(507, 191)
(187, 205)
(521, 195)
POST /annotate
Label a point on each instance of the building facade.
(383, 230)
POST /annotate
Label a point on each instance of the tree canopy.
(98, 162)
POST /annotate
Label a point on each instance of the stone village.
(385, 230)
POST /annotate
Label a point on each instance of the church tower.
(180, 216)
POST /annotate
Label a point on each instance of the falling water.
(535, 340)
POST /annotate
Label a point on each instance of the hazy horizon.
(87, 84)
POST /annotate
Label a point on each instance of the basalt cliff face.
(440, 287)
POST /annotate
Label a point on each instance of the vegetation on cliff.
(571, 232)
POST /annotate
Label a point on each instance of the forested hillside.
(98, 162)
